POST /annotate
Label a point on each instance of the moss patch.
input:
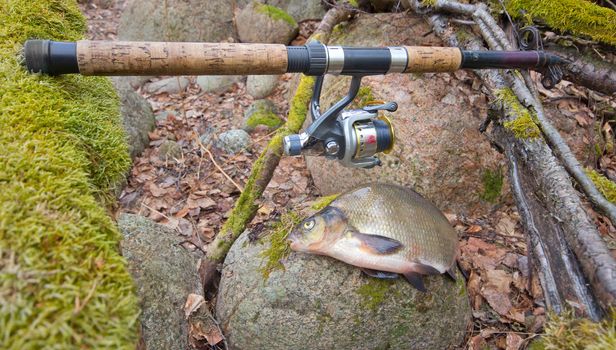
(62, 145)
(263, 116)
(324, 201)
(374, 292)
(364, 97)
(570, 332)
(492, 184)
(279, 246)
(604, 185)
(578, 17)
(524, 125)
(275, 13)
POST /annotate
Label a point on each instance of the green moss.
(278, 244)
(324, 201)
(374, 292)
(353, 3)
(492, 184)
(275, 13)
(428, 2)
(604, 185)
(363, 98)
(263, 116)
(579, 17)
(64, 284)
(524, 125)
(567, 331)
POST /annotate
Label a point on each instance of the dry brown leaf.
(193, 302)
(473, 229)
(477, 343)
(496, 291)
(156, 191)
(514, 341)
(200, 202)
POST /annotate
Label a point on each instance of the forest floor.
(194, 195)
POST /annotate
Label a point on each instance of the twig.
(218, 166)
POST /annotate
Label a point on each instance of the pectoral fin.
(377, 244)
(416, 281)
(380, 274)
(452, 273)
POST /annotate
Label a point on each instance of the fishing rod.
(352, 136)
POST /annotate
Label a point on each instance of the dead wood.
(554, 217)
(247, 204)
(586, 70)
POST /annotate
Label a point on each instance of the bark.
(586, 70)
(553, 215)
(263, 169)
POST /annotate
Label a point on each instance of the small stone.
(261, 112)
(207, 137)
(261, 86)
(169, 150)
(233, 141)
(172, 85)
(216, 83)
(266, 24)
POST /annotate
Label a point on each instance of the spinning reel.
(353, 136)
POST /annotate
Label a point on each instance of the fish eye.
(308, 225)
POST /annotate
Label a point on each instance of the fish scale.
(402, 214)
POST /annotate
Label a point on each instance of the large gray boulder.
(321, 303)
(261, 86)
(261, 23)
(165, 274)
(177, 20)
(137, 116)
(299, 9)
(439, 151)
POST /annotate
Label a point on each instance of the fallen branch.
(585, 70)
(497, 40)
(263, 169)
(559, 204)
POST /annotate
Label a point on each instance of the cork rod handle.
(179, 58)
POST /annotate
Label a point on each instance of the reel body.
(353, 137)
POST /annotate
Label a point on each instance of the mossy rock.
(261, 112)
(261, 23)
(319, 302)
(62, 149)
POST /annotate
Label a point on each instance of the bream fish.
(385, 230)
